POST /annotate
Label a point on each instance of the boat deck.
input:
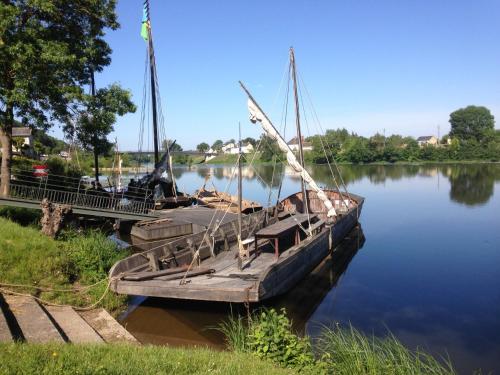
(199, 216)
(227, 283)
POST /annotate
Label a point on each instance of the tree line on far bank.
(472, 137)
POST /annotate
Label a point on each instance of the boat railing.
(209, 243)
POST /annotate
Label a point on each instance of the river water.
(425, 265)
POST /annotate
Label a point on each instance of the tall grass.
(236, 332)
(348, 351)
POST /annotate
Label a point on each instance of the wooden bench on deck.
(282, 228)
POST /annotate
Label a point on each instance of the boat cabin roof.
(284, 226)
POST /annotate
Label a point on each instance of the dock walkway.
(24, 319)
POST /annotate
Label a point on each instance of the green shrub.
(271, 337)
(92, 254)
(23, 216)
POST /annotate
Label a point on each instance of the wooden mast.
(297, 123)
(240, 199)
(152, 68)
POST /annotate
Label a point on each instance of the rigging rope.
(315, 114)
(48, 303)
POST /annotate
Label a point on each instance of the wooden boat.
(265, 274)
(259, 256)
(224, 201)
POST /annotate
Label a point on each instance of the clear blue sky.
(369, 65)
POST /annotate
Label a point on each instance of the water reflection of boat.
(301, 302)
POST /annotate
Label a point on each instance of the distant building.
(65, 155)
(427, 140)
(232, 148)
(25, 146)
(294, 144)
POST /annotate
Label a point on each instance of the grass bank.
(268, 335)
(30, 359)
(74, 261)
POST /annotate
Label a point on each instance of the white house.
(294, 144)
(427, 140)
(232, 148)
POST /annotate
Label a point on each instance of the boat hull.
(287, 272)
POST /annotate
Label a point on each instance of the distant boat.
(224, 201)
(261, 255)
(158, 186)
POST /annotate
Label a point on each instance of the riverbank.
(70, 270)
(126, 359)
(231, 159)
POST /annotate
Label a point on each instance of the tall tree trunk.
(6, 143)
(96, 153)
(96, 161)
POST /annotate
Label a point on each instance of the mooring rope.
(48, 303)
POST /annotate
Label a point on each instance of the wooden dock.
(24, 319)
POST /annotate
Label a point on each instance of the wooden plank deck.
(201, 216)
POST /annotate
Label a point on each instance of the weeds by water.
(348, 351)
(235, 331)
(337, 351)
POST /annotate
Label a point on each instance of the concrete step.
(107, 327)
(33, 321)
(5, 334)
(76, 329)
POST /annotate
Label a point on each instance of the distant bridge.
(28, 191)
(191, 153)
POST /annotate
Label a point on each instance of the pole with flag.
(145, 21)
(148, 37)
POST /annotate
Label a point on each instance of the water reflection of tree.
(473, 184)
(377, 174)
(269, 175)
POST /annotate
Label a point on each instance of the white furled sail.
(257, 115)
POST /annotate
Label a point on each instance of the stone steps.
(76, 329)
(107, 326)
(5, 335)
(24, 319)
(35, 324)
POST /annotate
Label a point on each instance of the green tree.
(472, 123)
(172, 145)
(44, 53)
(250, 140)
(217, 145)
(356, 150)
(203, 147)
(98, 116)
(269, 148)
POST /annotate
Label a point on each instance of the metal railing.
(82, 198)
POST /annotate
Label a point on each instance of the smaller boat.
(224, 201)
